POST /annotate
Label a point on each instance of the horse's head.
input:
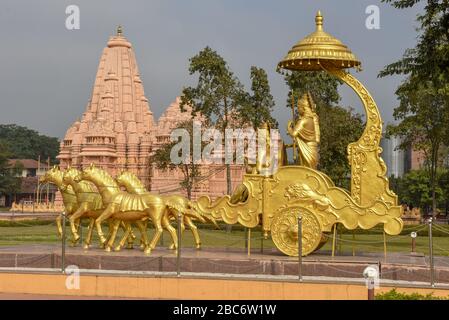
(54, 175)
(125, 179)
(89, 173)
(98, 176)
(71, 175)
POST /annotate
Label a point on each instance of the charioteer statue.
(305, 133)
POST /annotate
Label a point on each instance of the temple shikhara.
(118, 131)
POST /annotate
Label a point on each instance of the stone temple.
(118, 132)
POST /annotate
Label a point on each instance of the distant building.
(400, 161)
(394, 158)
(29, 173)
(30, 167)
(415, 159)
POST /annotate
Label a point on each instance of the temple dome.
(319, 48)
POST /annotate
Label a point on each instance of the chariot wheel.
(284, 231)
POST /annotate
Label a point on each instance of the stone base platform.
(397, 266)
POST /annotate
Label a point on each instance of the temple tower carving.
(117, 131)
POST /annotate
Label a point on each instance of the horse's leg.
(115, 226)
(77, 224)
(127, 231)
(78, 228)
(171, 230)
(107, 213)
(82, 209)
(59, 225)
(127, 227)
(143, 234)
(175, 216)
(194, 230)
(156, 214)
(131, 236)
(144, 243)
(90, 230)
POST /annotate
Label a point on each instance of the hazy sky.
(47, 71)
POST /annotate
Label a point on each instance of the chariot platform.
(396, 266)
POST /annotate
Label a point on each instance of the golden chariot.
(276, 201)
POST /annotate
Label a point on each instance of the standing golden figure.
(306, 132)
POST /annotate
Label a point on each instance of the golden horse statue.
(55, 176)
(90, 205)
(122, 205)
(132, 184)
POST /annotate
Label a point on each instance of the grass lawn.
(32, 232)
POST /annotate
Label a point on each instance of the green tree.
(423, 122)
(9, 184)
(443, 183)
(429, 59)
(414, 189)
(339, 126)
(24, 143)
(257, 107)
(190, 170)
(428, 75)
(217, 95)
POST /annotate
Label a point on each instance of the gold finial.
(119, 30)
(319, 21)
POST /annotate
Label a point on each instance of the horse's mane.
(106, 178)
(84, 186)
(87, 186)
(55, 173)
(132, 180)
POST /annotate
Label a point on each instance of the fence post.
(371, 295)
(249, 241)
(334, 240)
(63, 243)
(178, 252)
(300, 248)
(432, 268)
(81, 233)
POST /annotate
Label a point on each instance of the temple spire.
(319, 21)
(119, 31)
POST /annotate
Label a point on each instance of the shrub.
(394, 295)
